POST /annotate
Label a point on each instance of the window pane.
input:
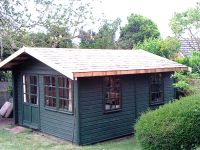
(67, 93)
(50, 91)
(26, 88)
(30, 88)
(66, 104)
(46, 90)
(156, 89)
(67, 83)
(54, 102)
(60, 92)
(64, 93)
(47, 101)
(46, 80)
(33, 80)
(26, 79)
(60, 82)
(61, 103)
(112, 93)
(33, 99)
(33, 89)
(53, 80)
(27, 99)
(53, 90)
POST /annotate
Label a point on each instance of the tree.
(105, 38)
(136, 31)
(56, 22)
(187, 25)
(167, 48)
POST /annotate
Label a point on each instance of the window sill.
(112, 111)
(58, 111)
(157, 103)
(65, 112)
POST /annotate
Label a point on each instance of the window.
(30, 89)
(50, 91)
(58, 92)
(156, 89)
(65, 96)
(112, 93)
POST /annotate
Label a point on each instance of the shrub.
(173, 126)
(192, 60)
(187, 83)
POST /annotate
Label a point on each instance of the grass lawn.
(29, 140)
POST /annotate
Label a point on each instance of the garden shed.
(84, 95)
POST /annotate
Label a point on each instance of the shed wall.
(60, 124)
(95, 125)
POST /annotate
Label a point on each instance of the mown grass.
(29, 140)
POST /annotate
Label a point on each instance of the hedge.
(173, 126)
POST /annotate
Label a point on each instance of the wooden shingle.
(95, 62)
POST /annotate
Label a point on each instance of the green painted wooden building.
(87, 96)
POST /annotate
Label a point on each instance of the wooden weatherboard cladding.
(96, 125)
(124, 72)
(62, 124)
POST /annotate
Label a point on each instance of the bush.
(192, 60)
(173, 126)
(187, 83)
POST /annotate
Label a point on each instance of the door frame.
(37, 127)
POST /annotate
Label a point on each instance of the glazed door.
(30, 101)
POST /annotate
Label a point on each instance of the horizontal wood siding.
(95, 125)
(52, 122)
(142, 93)
(169, 91)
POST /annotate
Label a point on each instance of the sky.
(159, 11)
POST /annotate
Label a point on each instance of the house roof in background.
(94, 62)
(188, 46)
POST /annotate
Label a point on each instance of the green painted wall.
(60, 124)
(95, 125)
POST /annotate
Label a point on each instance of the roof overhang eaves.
(124, 72)
(11, 57)
(36, 56)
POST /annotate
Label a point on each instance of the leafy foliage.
(56, 23)
(103, 39)
(174, 126)
(187, 83)
(186, 24)
(166, 48)
(136, 31)
(192, 60)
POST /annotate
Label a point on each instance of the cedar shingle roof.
(95, 62)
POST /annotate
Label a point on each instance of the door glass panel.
(30, 89)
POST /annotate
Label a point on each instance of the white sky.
(160, 11)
